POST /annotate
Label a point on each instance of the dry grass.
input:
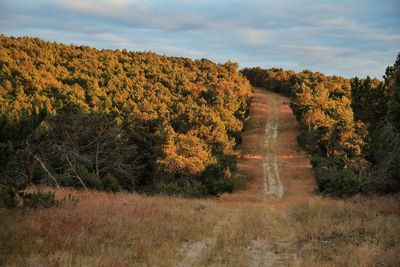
(126, 229)
(232, 242)
(105, 230)
(357, 232)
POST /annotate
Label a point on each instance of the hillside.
(246, 228)
(151, 130)
(118, 120)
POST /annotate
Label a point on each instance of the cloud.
(337, 37)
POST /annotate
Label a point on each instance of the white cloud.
(341, 37)
(388, 38)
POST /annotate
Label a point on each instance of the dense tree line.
(276, 79)
(118, 120)
(377, 104)
(351, 126)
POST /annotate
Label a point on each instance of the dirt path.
(280, 174)
(279, 169)
(193, 252)
(271, 157)
(272, 183)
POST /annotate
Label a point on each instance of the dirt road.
(280, 174)
(271, 178)
(271, 156)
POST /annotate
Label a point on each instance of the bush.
(239, 180)
(307, 141)
(338, 182)
(88, 178)
(215, 180)
(8, 197)
(184, 187)
(215, 187)
(335, 178)
(39, 199)
(109, 183)
(11, 198)
(69, 178)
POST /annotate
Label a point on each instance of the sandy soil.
(278, 168)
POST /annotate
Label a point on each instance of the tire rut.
(272, 251)
(272, 183)
(194, 252)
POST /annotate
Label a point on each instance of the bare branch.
(77, 175)
(46, 170)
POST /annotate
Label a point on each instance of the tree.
(77, 142)
(137, 95)
(392, 86)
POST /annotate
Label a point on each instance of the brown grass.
(358, 232)
(105, 230)
(127, 229)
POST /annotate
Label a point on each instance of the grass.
(105, 229)
(356, 232)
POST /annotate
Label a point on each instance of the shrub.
(183, 187)
(215, 180)
(8, 197)
(109, 183)
(239, 180)
(307, 141)
(88, 178)
(338, 182)
(38, 199)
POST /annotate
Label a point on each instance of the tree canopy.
(136, 119)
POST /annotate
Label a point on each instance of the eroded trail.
(271, 156)
(272, 183)
(194, 252)
(252, 231)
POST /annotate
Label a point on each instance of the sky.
(347, 38)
